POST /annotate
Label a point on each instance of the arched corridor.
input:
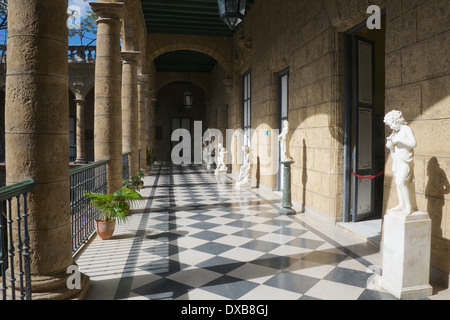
(316, 71)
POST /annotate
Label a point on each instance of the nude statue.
(244, 174)
(221, 167)
(401, 143)
(283, 139)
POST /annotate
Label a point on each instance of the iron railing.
(125, 166)
(15, 240)
(87, 178)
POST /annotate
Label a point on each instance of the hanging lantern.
(188, 99)
(232, 12)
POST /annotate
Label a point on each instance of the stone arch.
(220, 48)
(81, 79)
(167, 78)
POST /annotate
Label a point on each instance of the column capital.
(80, 101)
(106, 11)
(129, 56)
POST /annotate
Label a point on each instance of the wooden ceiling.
(196, 17)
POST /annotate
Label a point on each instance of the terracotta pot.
(105, 229)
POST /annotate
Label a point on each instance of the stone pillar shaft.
(81, 140)
(37, 136)
(286, 205)
(130, 116)
(107, 105)
(151, 103)
(142, 90)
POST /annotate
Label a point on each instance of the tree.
(3, 14)
(86, 30)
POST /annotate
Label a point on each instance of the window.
(247, 107)
(283, 108)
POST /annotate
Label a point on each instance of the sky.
(83, 6)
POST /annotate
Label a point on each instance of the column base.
(243, 185)
(80, 161)
(287, 211)
(55, 288)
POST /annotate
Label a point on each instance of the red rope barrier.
(368, 177)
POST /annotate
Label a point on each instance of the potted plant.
(135, 182)
(150, 156)
(112, 208)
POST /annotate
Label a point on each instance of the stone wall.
(307, 37)
(301, 37)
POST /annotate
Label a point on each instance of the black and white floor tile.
(197, 237)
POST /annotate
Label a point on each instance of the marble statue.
(283, 137)
(205, 152)
(208, 152)
(221, 166)
(401, 143)
(244, 174)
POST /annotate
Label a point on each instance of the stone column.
(37, 137)
(107, 105)
(151, 102)
(130, 116)
(143, 90)
(81, 140)
(286, 205)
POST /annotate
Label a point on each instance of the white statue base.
(243, 184)
(406, 254)
(220, 172)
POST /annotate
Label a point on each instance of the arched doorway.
(171, 114)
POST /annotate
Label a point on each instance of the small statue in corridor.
(221, 159)
(244, 174)
(401, 143)
(283, 138)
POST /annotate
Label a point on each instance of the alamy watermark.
(74, 280)
(374, 21)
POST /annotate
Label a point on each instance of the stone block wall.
(298, 36)
(307, 37)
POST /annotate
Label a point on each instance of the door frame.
(347, 205)
(280, 75)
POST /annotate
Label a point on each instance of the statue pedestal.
(406, 255)
(287, 202)
(243, 185)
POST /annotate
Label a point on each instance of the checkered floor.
(198, 237)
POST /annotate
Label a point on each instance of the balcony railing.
(15, 240)
(82, 54)
(87, 178)
(76, 54)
